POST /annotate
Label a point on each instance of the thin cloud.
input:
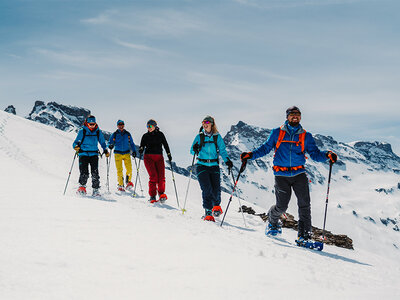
(138, 47)
(87, 59)
(294, 3)
(150, 23)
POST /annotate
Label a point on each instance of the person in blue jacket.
(290, 142)
(86, 145)
(208, 145)
(124, 147)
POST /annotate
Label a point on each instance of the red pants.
(155, 167)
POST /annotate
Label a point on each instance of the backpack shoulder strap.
(84, 135)
(115, 134)
(302, 138)
(215, 137)
(280, 138)
(202, 138)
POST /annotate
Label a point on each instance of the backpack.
(127, 132)
(203, 140)
(84, 135)
(301, 141)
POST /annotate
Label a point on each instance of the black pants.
(210, 183)
(84, 162)
(283, 191)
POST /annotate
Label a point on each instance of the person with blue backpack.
(85, 144)
(291, 142)
(208, 145)
(122, 143)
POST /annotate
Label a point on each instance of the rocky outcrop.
(11, 109)
(288, 221)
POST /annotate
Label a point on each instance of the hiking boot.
(208, 216)
(217, 211)
(81, 190)
(273, 229)
(163, 198)
(96, 193)
(129, 185)
(121, 188)
(153, 199)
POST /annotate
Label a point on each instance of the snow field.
(119, 247)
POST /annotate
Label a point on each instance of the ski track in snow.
(119, 247)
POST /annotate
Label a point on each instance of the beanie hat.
(209, 119)
(152, 122)
(120, 122)
(91, 119)
(291, 110)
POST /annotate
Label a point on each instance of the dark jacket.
(152, 142)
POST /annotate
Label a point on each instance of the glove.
(133, 154)
(141, 151)
(106, 153)
(332, 156)
(196, 148)
(169, 156)
(229, 163)
(111, 146)
(77, 148)
(246, 155)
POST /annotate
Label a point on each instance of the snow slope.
(66, 247)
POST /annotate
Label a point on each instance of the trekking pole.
(69, 175)
(240, 204)
(243, 166)
(108, 170)
(187, 190)
(137, 176)
(326, 202)
(173, 179)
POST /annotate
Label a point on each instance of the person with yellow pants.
(124, 146)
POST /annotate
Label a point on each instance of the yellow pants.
(128, 166)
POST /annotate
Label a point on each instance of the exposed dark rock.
(11, 109)
(288, 221)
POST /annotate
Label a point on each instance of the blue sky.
(177, 61)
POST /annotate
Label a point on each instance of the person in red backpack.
(290, 142)
(151, 144)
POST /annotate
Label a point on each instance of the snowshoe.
(217, 211)
(96, 193)
(163, 198)
(273, 230)
(208, 216)
(153, 199)
(81, 191)
(129, 185)
(309, 244)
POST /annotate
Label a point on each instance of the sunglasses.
(91, 124)
(295, 114)
(206, 122)
(121, 124)
(150, 126)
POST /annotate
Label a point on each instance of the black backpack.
(203, 140)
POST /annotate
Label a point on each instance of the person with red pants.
(151, 144)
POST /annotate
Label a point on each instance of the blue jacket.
(123, 142)
(209, 151)
(89, 145)
(289, 154)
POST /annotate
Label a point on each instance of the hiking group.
(290, 143)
